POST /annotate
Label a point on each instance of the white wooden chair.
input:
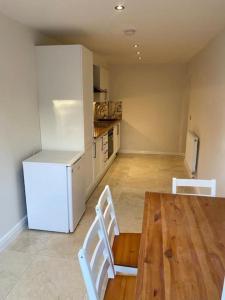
(223, 291)
(123, 247)
(97, 268)
(197, 183)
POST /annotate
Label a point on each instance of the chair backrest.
(223, 291)
(95, 261)
(106, 212)
(194, 183)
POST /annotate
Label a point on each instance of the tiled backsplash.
(108, 110)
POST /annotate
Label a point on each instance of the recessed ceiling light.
(139, 58)
(119, 7)
(136, 46)
(129, 32)
(138, 53)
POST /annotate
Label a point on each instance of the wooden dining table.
(182, 251)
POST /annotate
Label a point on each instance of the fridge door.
(46, 196)
(76, 192)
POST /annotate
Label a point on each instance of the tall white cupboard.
(65, 89)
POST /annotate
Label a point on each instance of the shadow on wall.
(139, 142)
(133, 137)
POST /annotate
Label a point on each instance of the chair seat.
(121, 288)
(126, 249)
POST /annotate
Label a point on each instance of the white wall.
(19, 120)
(154, 106)
(207, 110)
(100, 60)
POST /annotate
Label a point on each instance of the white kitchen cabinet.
(101, 78)
(104, 150)
(54, 188)
(116, 137)
(89, 170)
(101, 83)
(100, 156)
(98, 159)
(88, 96)
(104, 78)
(65, 90)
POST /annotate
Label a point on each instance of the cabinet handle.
(102, 143)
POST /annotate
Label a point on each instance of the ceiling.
(168, 31)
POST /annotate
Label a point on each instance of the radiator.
(191, 153)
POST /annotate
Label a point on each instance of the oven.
(110, 143)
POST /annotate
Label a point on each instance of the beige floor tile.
(12, 265)
(44, 265)
(50, 278)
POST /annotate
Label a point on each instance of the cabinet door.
(77, 190)
(115, 139)
(97, 159)
(118, 136)
(104, 78)
(104, 151)
(89, 176)
(87, 65)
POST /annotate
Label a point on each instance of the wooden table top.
(182, 252)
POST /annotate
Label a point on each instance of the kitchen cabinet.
(98, 159)
(101, 78)
(101, 83)
(116, 137)
(65, 90)
(104, 78)
(88, 170)
(102, 161)
(104, 150)
(100, 156)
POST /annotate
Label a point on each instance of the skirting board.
(149, 152)
(13, 233)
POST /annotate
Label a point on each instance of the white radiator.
(191, 153)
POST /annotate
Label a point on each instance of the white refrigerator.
(54, 187)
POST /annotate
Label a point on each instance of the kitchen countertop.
(101, 127)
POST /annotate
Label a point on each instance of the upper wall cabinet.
(101, 83)
(65, 88)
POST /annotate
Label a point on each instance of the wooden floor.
(182, 252)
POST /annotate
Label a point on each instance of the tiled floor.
(42, 265)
